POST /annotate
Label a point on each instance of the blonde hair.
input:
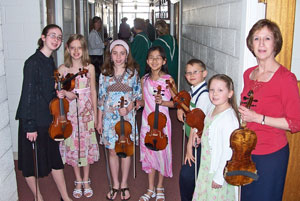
(162, 28)
(230, 86)
(85, 59)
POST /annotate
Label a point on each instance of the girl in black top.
(34, 115)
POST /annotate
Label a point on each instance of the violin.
(124, 145)
(194, 118)
(68, 82)
(61, 127)
(155, 139)
(241, 170)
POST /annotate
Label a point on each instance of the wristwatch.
(263, 120)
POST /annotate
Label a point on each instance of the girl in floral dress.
(82, 102)
(219, 123)
(156, 161)
(119, 78)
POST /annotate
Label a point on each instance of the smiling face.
(155, 60)
(119, 55)
(52, 40)
(195, 74)
(75, 49)
(219, 93)
(263, 44)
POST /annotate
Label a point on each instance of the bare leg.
(160, 187)
(86, 175)
(58, 176)
(88, 192)
(151, 178)
(160, 181)
(125, 166)
(114, 168)
(78, 181)
(31, 183)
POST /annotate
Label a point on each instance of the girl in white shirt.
(219, 123)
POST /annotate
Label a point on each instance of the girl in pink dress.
(156, 161)
(82, 102)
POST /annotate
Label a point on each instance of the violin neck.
(184, 107)
(122, 126)
(155, 126)
(61, 103)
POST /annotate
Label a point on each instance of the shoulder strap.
(200, 95)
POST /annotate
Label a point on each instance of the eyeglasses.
(193, 73)
(156, 59)
(53, 36)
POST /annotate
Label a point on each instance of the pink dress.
(158, 160)
(89, 151)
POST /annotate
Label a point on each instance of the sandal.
(77, 193)
(112, 193)
(87, 192)
(147, 197)
(123, 193)
(161, 195)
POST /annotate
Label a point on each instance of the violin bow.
(79, 162)
(134, 141)
(196, 161)
(183, 143)
(36, 168)
(104, 142)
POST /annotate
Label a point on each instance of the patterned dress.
(69, 148)
(111, 89)
(203, 189)
(158, 160)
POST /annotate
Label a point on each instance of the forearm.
(167, 104)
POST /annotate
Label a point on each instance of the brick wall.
(8, 185)
(211, 32)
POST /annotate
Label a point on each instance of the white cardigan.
(219, 142)
(95, 43)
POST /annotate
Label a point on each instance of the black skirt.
(48, 155)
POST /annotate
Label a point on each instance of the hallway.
(98, 176)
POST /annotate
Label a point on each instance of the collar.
(197, 88)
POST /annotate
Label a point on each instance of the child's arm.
(141, 103)
(91, 69)
(99, 123)
(180, 115)
(63, 93)
(100, 104)
(189, 148)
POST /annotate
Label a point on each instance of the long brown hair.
(107, 68)
(230, 86)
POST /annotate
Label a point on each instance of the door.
(283, 13)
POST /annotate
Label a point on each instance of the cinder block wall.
(211, 32)
(8, 185)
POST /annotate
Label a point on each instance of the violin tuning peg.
(245, 98)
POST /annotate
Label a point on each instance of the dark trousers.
(187, 178)
(271, 169)
(97, 61)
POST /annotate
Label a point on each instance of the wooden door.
(283, 13)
